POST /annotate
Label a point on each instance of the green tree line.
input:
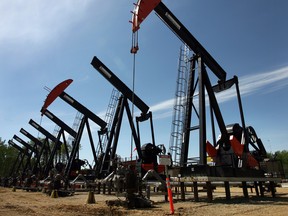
(283, 157)
(8, 155)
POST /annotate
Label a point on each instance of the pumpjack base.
(219, 171)
(209, 177)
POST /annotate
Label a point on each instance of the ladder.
(56, 132)
(109, 116)
(179, 108)
(75, 126)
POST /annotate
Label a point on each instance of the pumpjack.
(24, 177)
(233, 149)
(47, 140)
(41, 152)
(147, 153)
(127, 175)
(71, 169)
(58, 144)
(18, 166)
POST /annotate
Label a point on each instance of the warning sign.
(165, 160)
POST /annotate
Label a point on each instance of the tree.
(283, 157)
(8, 156)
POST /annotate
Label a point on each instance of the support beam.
(23, 142)
(31, 137)
(195, 191)
(118, 84)
(245, 189)
(75, 104)
(188, 114)
(227, 190)
(60, 123)
(42, 130)
(10, 142)
(202, 113)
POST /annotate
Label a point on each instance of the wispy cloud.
(265, 82)
(163, 105)
(273, 80)
(38, 21)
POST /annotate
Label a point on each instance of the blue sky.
(45, 42)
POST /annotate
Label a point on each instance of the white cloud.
(38, 21)
(266, 82)
(252, 83)
(168, 104)
(263, 83)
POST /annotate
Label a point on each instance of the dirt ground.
(22, 202)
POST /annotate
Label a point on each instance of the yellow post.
(54, 194)
(91, 198)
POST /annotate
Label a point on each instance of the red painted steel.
(212, 152)
(142, 9)
(55, 93)
(237, 147)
